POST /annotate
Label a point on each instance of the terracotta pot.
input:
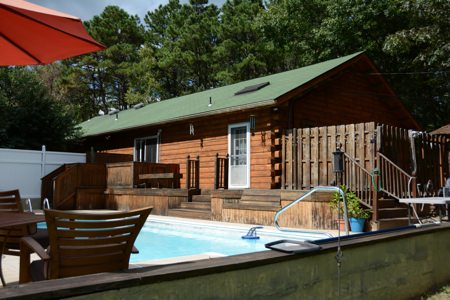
(340, 223)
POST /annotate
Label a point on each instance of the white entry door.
(239, 149)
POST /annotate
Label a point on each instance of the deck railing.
(358, 180)
(393, 180)
(193, 173)
(67, 184)
(47, 182)
(221, 172)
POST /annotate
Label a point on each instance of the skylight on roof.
(252, 88)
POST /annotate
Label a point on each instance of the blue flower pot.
(357, 224)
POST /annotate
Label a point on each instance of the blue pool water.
(161, 239)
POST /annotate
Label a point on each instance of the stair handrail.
(368, 201)
(400, 171)
(316, 189)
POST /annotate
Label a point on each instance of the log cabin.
(245, 120)
(241, 152)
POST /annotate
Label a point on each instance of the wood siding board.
(316, 156)
(307, 152)
(300, 171)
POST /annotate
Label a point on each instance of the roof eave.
(253, 105)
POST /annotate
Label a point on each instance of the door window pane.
(239, 156)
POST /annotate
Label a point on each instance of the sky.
(86, 9)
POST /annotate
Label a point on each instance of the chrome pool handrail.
(316, 189)
(28, 204)
(45, 204)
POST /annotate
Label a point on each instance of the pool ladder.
(316, 189)
(45, 204)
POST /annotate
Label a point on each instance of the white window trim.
(157, 137)
(230, 126)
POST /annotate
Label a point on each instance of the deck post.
(225, 171)
(197, 173)
(216, 172)
(188, 172)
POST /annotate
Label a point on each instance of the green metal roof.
(222, 99)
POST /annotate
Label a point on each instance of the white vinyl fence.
(23, 169)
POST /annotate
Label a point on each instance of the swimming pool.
(165, 237)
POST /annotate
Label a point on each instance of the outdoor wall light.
(191, 129)
(338, 161)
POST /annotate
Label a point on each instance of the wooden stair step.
(385, 203)
(196, 205)
(393, 222)
(205, 192)
(393, 212)
(201, 198)
(190, 213)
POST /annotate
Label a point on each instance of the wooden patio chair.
(10, 237)
(82, 243)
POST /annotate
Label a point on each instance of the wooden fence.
(395, 143)
(432, 157)
(401, 157)
(419, 154)
(308, 153)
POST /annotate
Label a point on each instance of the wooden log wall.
(351, 97)
(308, 152)
(211, 137)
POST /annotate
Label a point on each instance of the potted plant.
(357, 215)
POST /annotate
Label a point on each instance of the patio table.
(8, 219)
(424, 200)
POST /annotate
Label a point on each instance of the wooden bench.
(161, 176)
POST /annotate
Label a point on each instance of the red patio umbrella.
(31, 34)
